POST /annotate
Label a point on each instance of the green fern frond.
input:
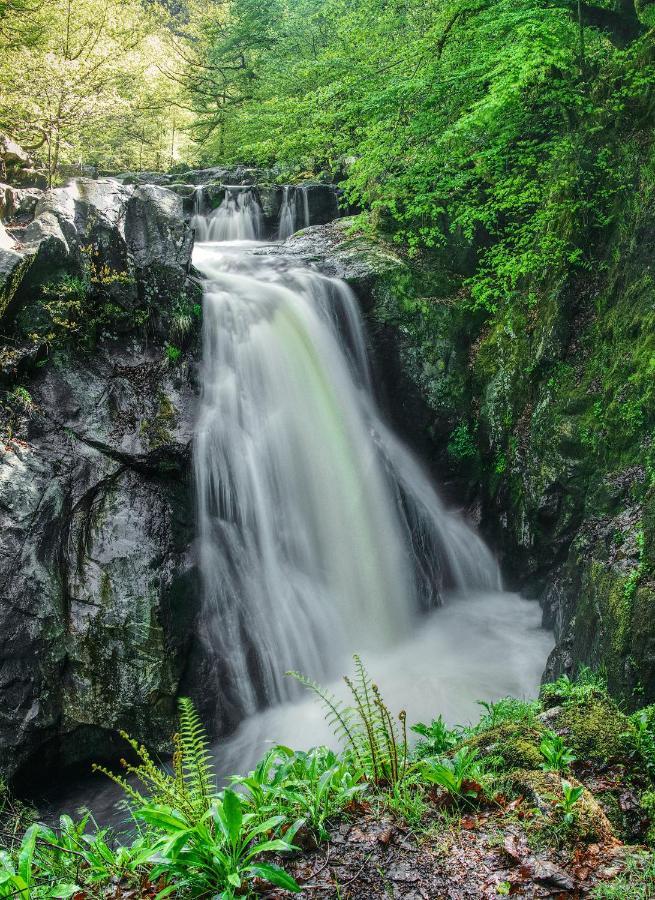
(196, 760)
(190, 787)
(368, 729)
(338, 716)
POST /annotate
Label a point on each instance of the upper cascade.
(238, 218)
(222, 212)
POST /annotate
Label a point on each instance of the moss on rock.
(514, 743)
(594, 730)
(544, 789)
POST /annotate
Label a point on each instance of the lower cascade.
(319, 533)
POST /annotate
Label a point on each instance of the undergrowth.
(193, 837)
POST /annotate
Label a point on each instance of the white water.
(293, 198)
(319, 533)
(239, 217)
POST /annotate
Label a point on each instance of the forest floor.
(482, 855)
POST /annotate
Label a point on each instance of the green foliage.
(641, 737)
(437, 738)
(556, 754)
(189, 788)
(507, 709)
(307, 788)
(82, 308)
(172, 353)
(570, 796)
(586, 686)
(16, 879)
(201, 842)
(636, 881)
(81, 84)
(378, 745)
(82, 859)
(459, 775)
(462, 445)
(218, 852)
(405, 799)
(184, 316)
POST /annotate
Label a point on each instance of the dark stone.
(98, 589)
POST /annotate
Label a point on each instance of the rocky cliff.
(97, 585)
(100, 313)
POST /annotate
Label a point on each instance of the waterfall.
(304, 196)
(295, 200)
(239, 217)
(319, 534)
(287, 224)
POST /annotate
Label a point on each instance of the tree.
(91, 77)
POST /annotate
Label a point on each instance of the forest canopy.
(513, 125)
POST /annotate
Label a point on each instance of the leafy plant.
(585, 686)
(406, 799)
(378, 745)
(641, 738)
(459, 775)
(556, 755)
(16, 878)
(173, 353)
(219, 853)
(437, 738)
(190, 787)
(305, 787)
(507, 709)
(83, 858)
(461, 445)
(570, 796)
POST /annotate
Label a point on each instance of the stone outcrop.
(97, 583)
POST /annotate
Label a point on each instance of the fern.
(190, 786)
(377, 742)
(339, 717)
(195, 758)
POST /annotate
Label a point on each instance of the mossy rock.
(594, 730)
(517, 744)
(544, 790)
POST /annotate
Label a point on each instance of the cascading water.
(319, 533)
(287, 224)
(239, 217)
(295, 200)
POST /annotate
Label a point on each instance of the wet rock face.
(96, 558)
(97, 587)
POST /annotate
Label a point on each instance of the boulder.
(12, 155)
(17, 166)
(358, 260)
(6, 241)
